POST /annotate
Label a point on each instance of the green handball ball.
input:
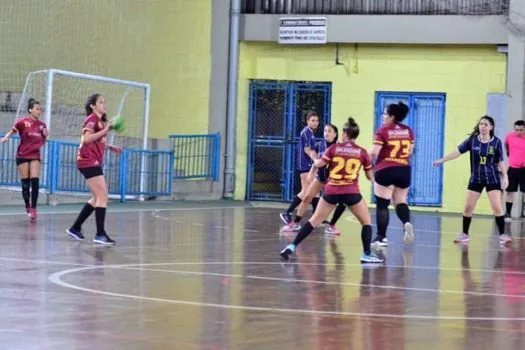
(117, 124)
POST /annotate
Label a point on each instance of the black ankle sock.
(466, 223)
(500, 223)
(508, 206)
(295, 203)
(297, 219)
(26, 184)
(86, 211)
(100, 217)
(35, 188)
(366, 238)
(305, 230)
(403, 212)
(339, 210)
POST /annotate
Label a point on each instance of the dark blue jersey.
(320, 148)
(307, 139)
(484, 159)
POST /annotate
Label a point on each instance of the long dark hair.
(475, 131)
(398, 110)
(351, 129)
(336, 137)
(92, 100)
(31, 103)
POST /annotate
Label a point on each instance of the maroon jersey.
(33, 134)
(91, 154)
(396, 141)
(345, 160)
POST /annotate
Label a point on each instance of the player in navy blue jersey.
(487, 171)
(331, 135)
(306, 155)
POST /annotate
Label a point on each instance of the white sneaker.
(409, 233)
(380, 242)
(505, 239)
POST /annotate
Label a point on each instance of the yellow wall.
(163, 42)
(180, 66)
(465, 73)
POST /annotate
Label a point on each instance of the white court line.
(360, 266)
(56, 278)
(378, 286)
(123, 210)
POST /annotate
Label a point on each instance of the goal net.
(63, 94)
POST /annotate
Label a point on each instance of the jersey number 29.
(351, 168)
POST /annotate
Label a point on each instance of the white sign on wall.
(302, 30)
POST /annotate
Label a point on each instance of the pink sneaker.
(332, 230)
(291, 227)
(32, 213)
(28, 211)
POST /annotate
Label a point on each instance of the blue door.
(277, 109)
(427, 120)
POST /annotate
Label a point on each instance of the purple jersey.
(307, 139)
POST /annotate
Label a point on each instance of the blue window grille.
(276, 119)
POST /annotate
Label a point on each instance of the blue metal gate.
(276, 120)
(427, 120)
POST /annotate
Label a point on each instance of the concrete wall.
(400, 29)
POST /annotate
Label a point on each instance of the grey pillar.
(220, 34)
(516, 74)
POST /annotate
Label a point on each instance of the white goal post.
(63, 94)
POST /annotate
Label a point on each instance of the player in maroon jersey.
(344, 160)
(33, 134)
(393, 146)
(89, 162)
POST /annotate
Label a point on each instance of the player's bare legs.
(313, 190)
(322, 212)
(286, 216)
(98, 188)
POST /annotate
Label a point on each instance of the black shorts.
(478, 187)
(516, 180)
(349, 199)
(24, 160)
(399, 176)
(322, 175)
(91, 172)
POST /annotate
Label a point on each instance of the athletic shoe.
(103, 239)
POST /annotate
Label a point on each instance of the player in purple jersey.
(487, 171)
(331, 135)
(306, 155)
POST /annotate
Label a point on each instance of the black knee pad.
(402, 205)
(382, 203)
